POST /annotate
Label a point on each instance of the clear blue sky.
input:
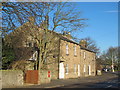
(102, 22)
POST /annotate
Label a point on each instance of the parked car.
(106, 69)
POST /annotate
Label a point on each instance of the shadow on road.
(111, 83)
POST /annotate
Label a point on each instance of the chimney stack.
(31, 19)
(83, 43)
(67, 35)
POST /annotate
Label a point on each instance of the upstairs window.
(26, 44)
(34, 56)
(29, 44)
(67, 49)
(75, 53)
(84, 55)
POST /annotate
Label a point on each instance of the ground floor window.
(66, 71)
(89, 70)
(74, 68)
(78, 69)
(84, 68)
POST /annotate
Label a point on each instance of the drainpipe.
(59, 59)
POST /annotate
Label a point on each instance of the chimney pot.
(31, 19)
(83, 43)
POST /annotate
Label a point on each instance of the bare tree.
(62, 15)
(46, 17)
(111, 56)
(91, 44)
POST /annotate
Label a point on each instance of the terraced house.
(75, 60)
(68, 59)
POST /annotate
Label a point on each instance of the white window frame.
(84, 54)
(75, 51)
(66, 69)
(75, 68)
(67, 48)
(78, 69)
(34, 56)
(27, 44)
(89, 69)
(84, 68)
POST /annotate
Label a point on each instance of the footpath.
(64, 82)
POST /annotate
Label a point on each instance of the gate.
(31, 76)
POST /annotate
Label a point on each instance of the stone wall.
(80, 65)
(89, 60)
(71, 61)
(44, 77)
(12, 78)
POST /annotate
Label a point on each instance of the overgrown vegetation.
(8, 55)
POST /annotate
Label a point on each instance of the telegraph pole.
(112, 64)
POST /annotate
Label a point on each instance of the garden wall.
(12, 78)
(45, 76)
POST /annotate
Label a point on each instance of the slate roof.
(68, 40)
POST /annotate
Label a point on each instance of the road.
(113, 83)
(108, 80)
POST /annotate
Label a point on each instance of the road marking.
(55, 86)
(109, 86)
(109, 82)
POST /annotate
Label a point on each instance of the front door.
(61, 70)
(78, 70)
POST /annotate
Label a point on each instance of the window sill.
(67, 54)
(75, 55)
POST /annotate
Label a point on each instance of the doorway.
(61, 70)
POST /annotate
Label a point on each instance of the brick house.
(68, 59)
